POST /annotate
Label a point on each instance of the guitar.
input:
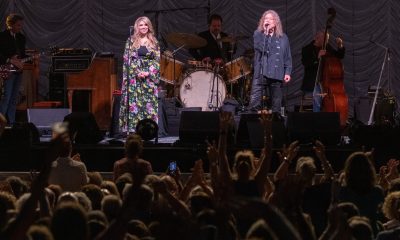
(7, 69)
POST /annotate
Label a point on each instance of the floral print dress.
(139, 99)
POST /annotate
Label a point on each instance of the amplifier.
(70, 63)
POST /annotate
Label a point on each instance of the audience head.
(133, 146)
(305, 168)
(260, 230)
(350, 209)
(391, 206)
(360, 228)
(67, 197)
(122, 181)
(7, 202)
(359, 173)
(111, 206)
(37, 232)
(94, 193)
(111, 187)
(95, 178)
(18, 185)
(138, 228)
(97, 215)
(69, 222)
(244, 164)
(200, 201)
(84, 201)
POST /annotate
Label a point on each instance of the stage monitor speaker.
(197, 127)
(44, 118)
(20, 135)
(383, 113)
(306, 127)
(84, 127)
(250, 132)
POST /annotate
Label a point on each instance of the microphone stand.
(210, 103)
(386, 58)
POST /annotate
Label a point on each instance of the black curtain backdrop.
(103, 25)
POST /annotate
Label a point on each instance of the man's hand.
(321, 53)
(16, 62)
(339, 42)
(286, 78)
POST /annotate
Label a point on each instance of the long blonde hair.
(278, 25)
(153, 44)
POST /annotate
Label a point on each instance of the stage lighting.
(147, 129)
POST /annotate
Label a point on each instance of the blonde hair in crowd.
(150, 34)
(278, 25)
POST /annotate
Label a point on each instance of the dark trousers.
(271, 88)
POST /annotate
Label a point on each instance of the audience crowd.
(232, 199)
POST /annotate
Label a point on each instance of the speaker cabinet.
(250, 132)
(306, 127)
(84, 127)
(196, 127)
(383, 113)
(57, 88)
(44, 118)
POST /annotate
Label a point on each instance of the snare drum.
(167, 69)
(201, 89)
(236, 69)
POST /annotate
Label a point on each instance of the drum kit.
(203, 84)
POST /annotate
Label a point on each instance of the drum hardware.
(215, 74)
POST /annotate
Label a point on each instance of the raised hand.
(212, 153)
(225, 120)
(289, 153)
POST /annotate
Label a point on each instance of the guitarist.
(12, 48)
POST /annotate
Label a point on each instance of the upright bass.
(330, 75)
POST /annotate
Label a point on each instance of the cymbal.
(186, 40)
(233, 39)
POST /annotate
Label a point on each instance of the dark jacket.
(10, 46)
(276, 60)
(212, 49)
(309, 58)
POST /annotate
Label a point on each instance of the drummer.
(215, 48)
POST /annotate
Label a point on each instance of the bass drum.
(202, 89)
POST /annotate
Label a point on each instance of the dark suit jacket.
(212, 48)
(10, 46)
(309, 58)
